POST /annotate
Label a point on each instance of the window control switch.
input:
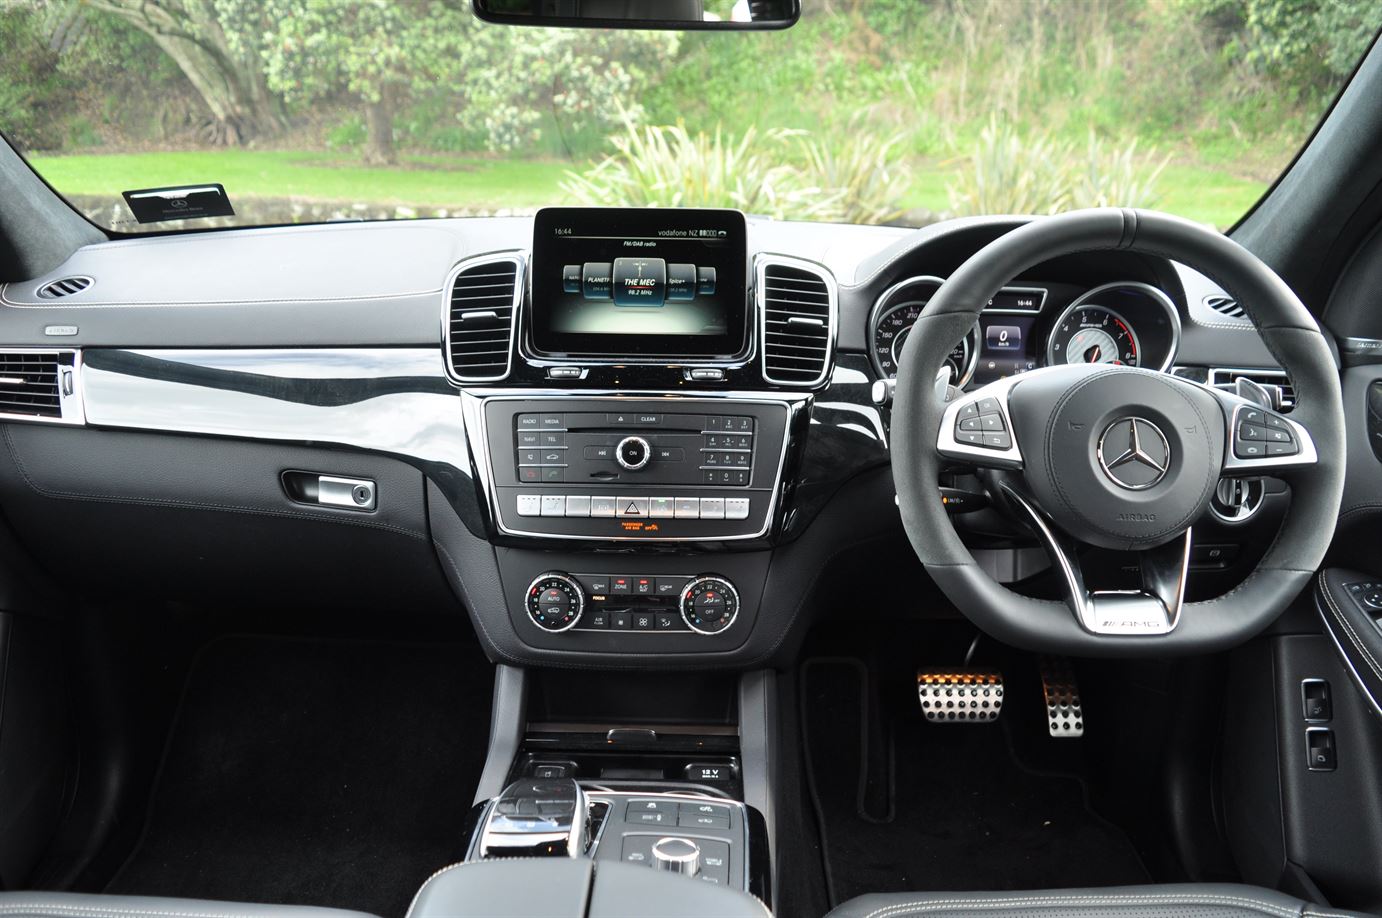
(1316, 704)
(1321, 751)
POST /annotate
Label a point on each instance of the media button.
(553, 422)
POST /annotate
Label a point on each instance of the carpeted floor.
(907, 805)
(332, 773)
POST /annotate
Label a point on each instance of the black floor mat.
(333, 773)
(934, 807)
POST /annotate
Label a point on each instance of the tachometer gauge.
(1093, 334)
(895, 327)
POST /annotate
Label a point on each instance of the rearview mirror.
(642, 14)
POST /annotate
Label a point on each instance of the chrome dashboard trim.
(1159, 296)
(404, 405)
(761, 261)
(473, 404)
(519, 259)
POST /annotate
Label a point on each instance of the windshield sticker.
(179, 202)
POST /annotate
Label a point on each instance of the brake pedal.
(971, 696)
(1064, 713)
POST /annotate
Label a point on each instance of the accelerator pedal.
(960, 696)
(1064, 713)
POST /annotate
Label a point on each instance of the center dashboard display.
(640, 282)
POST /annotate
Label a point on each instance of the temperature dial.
(555, 601)
(709, 604)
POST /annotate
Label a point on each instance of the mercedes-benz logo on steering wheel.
(1133, 453)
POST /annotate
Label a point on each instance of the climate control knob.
(555, 601)
(709, 604)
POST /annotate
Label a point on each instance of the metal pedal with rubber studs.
(1064, 713)
(960, 696)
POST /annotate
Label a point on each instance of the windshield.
(868, 111)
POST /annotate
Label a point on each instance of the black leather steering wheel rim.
(1289, 332)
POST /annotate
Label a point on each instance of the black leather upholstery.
(1195, 900)
(1358, 640)
(82, 905)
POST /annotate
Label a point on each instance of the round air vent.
(66, 286)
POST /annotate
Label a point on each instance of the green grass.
(423, 181)
(1204, 194)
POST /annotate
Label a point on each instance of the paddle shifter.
(536, 817)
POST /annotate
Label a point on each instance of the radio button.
(662, 508)
(736, 508)
(577, 506)
(712, 508)
(687, 508)
(529, 421)
(553, 505)
(632, 507)
(602, 506)
(529, 505)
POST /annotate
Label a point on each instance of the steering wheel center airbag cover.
(1130, 494)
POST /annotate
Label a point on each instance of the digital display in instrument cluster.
(1006, 347)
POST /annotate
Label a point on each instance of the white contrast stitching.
(1343, 620)
(928, 905)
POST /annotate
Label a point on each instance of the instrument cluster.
(1034, 325)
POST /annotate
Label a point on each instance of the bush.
(782, 173)
(1011, 173)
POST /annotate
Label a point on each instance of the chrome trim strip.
(473, 405)
(519, 260)
(1159, 295)
(761, 262)
(426, 426)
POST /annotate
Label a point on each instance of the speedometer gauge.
(1093, 334)
(890, 336)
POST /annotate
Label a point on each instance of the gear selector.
(536, 817)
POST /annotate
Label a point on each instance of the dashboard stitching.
(194, 304)
(191, 505)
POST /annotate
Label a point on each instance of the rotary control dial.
(555, 601)
(709, 604)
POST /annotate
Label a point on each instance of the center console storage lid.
(573, 888)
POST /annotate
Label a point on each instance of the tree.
(226, 71)
(378, 50)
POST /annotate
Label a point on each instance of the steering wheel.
(1117, 457)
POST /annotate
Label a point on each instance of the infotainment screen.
(641, 282)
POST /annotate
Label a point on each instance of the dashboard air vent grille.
(1277, 384)
(29, 384)
(480, 318)
(1225, 305)
(64, 287)
(799, 315)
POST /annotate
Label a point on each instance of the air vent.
(799, 315)
(1277, 384)
(66, 286)
(480, 318)
(29, 384)
(1226, 306)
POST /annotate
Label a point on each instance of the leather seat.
(82, 905)
(1191, 900)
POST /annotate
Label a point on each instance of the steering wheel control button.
(633, 453)
(709, 604)
(1260, 433)
(555, 601)
(981, 423)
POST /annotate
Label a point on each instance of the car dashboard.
(613, 437)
